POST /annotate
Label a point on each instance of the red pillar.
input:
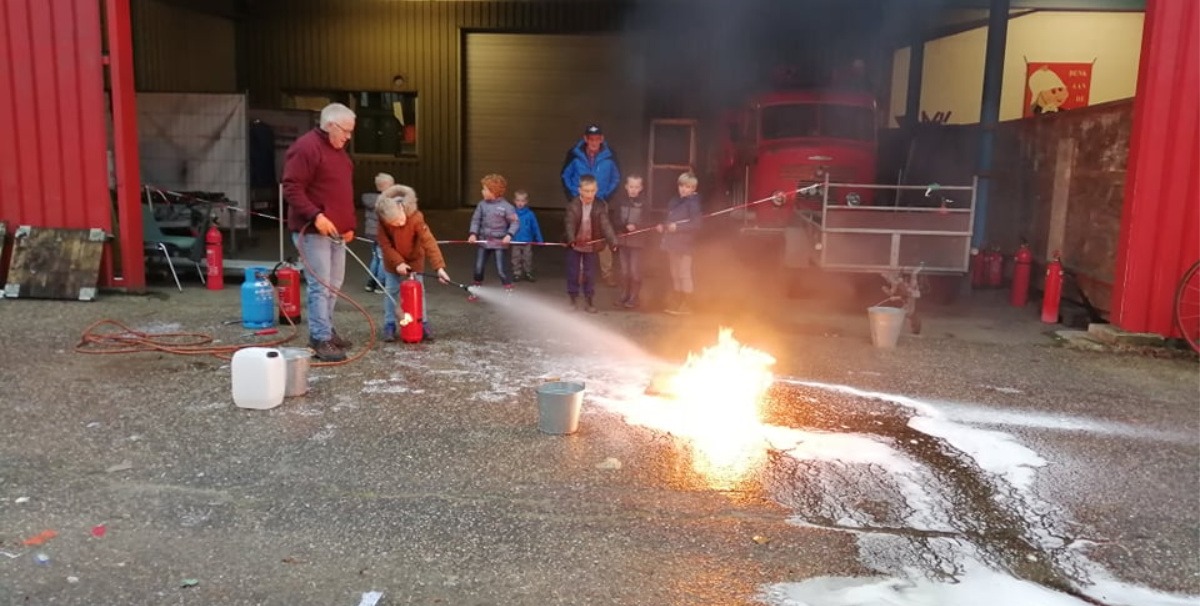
(125, 144)
(1160, 221)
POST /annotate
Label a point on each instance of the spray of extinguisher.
(214, 258)
(1022, 270)
(1053, 290)
(412, 302)
(286, 278)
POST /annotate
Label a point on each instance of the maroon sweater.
(318, 179)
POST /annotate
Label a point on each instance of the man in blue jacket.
(592, 156)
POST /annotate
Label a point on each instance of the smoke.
(702, 55)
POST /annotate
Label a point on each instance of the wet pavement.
(418, 470)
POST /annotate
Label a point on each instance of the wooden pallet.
(52, 263)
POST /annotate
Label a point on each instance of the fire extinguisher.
(412, 301)
(1021, 273)
(995, 268)
(286, 279)
(976, 268)
(1053, 290)
(214, 258)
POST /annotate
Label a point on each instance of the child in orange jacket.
(406, 243)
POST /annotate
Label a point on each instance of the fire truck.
(783, 141)
(804, 161)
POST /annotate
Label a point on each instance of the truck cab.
(785, 140)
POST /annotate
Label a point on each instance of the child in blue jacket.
(529, 231)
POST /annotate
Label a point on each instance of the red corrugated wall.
(1160, 222)
(53, 165)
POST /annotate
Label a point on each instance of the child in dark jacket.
(530, 231)
(493, 225)
(684, 215)
(588, 230)
(406, 243)
(629, 214)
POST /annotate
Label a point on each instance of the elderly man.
(318, 186)
(592, 156)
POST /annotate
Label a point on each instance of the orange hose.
(126, 340)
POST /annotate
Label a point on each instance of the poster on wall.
(1053, 87)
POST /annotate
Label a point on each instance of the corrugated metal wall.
(1160, 225)
(53, 171)
(342, 45)
(183, 51)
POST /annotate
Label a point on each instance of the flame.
(719, 394)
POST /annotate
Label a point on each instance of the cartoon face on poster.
(1053, 87)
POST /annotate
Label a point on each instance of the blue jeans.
(325, 260)
(481, 256)
(376, 267)
(581, 272)
(392, 284)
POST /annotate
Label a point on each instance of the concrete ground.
(418, 470)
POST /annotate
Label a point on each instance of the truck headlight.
(853, 199)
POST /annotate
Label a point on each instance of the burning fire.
(718, 407)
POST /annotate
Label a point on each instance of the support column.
(989, 113)
(916, 70)
(125, 144)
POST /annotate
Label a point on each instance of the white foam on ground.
(976, 585)
(911, 571)
(972, 583)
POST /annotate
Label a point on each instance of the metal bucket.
(559, 405)
(297, 361)
(886, 325)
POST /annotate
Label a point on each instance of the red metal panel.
(52, 98)
(1160, 222)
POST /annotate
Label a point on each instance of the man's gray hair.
(402, 198)
(335, 112)
(384, 178)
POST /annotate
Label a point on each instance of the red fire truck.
(785, 140)
(812, 154)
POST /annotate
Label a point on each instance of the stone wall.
(1059, 183)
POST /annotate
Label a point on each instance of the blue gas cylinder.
(258, 299)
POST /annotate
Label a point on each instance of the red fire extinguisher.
(995, 268)
(214, 258)
(1021, 272)
(286, 278)
(976, 268)
(412, 299)
(1053, 290)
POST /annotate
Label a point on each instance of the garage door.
(529, 97)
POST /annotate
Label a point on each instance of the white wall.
(953, 69)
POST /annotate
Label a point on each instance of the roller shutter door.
(528, 98)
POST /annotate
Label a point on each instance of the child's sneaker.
(509, 288)
(389, 332)
(529, 277)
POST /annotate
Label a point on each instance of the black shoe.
(529, 277)
(326, 351)
(341, 343)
